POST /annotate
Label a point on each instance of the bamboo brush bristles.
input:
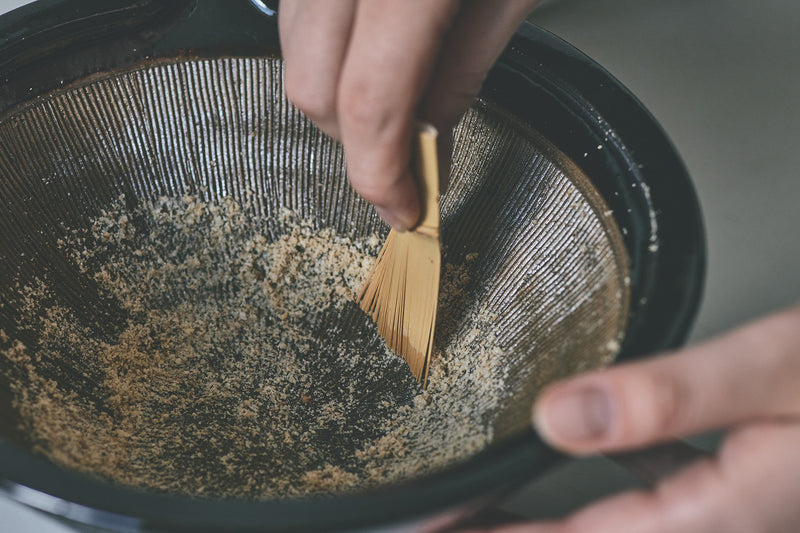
(402, 290)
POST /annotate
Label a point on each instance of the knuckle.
(364, 112)
(309, 95)
(671, 398)
(378, 192)
(368, 192)
(749, 440)
(706, 495)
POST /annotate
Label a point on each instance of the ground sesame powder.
(241, 366)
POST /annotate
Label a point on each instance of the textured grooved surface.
(551, 264)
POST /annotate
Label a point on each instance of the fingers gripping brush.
(401, 292)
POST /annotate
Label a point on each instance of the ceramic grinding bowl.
(582, 218)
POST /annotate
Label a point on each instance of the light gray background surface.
(723, 78)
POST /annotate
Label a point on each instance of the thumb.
(749, 373)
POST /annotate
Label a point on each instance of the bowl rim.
(644, 168)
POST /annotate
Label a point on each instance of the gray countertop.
(722, 77)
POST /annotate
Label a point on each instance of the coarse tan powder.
(241, 366)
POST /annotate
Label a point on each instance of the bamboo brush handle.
(426, 172)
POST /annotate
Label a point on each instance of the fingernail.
(392, 219)
(572, 416)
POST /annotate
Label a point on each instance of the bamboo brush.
(402, 289)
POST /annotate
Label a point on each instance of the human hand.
(365, 70)
(747, 381)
